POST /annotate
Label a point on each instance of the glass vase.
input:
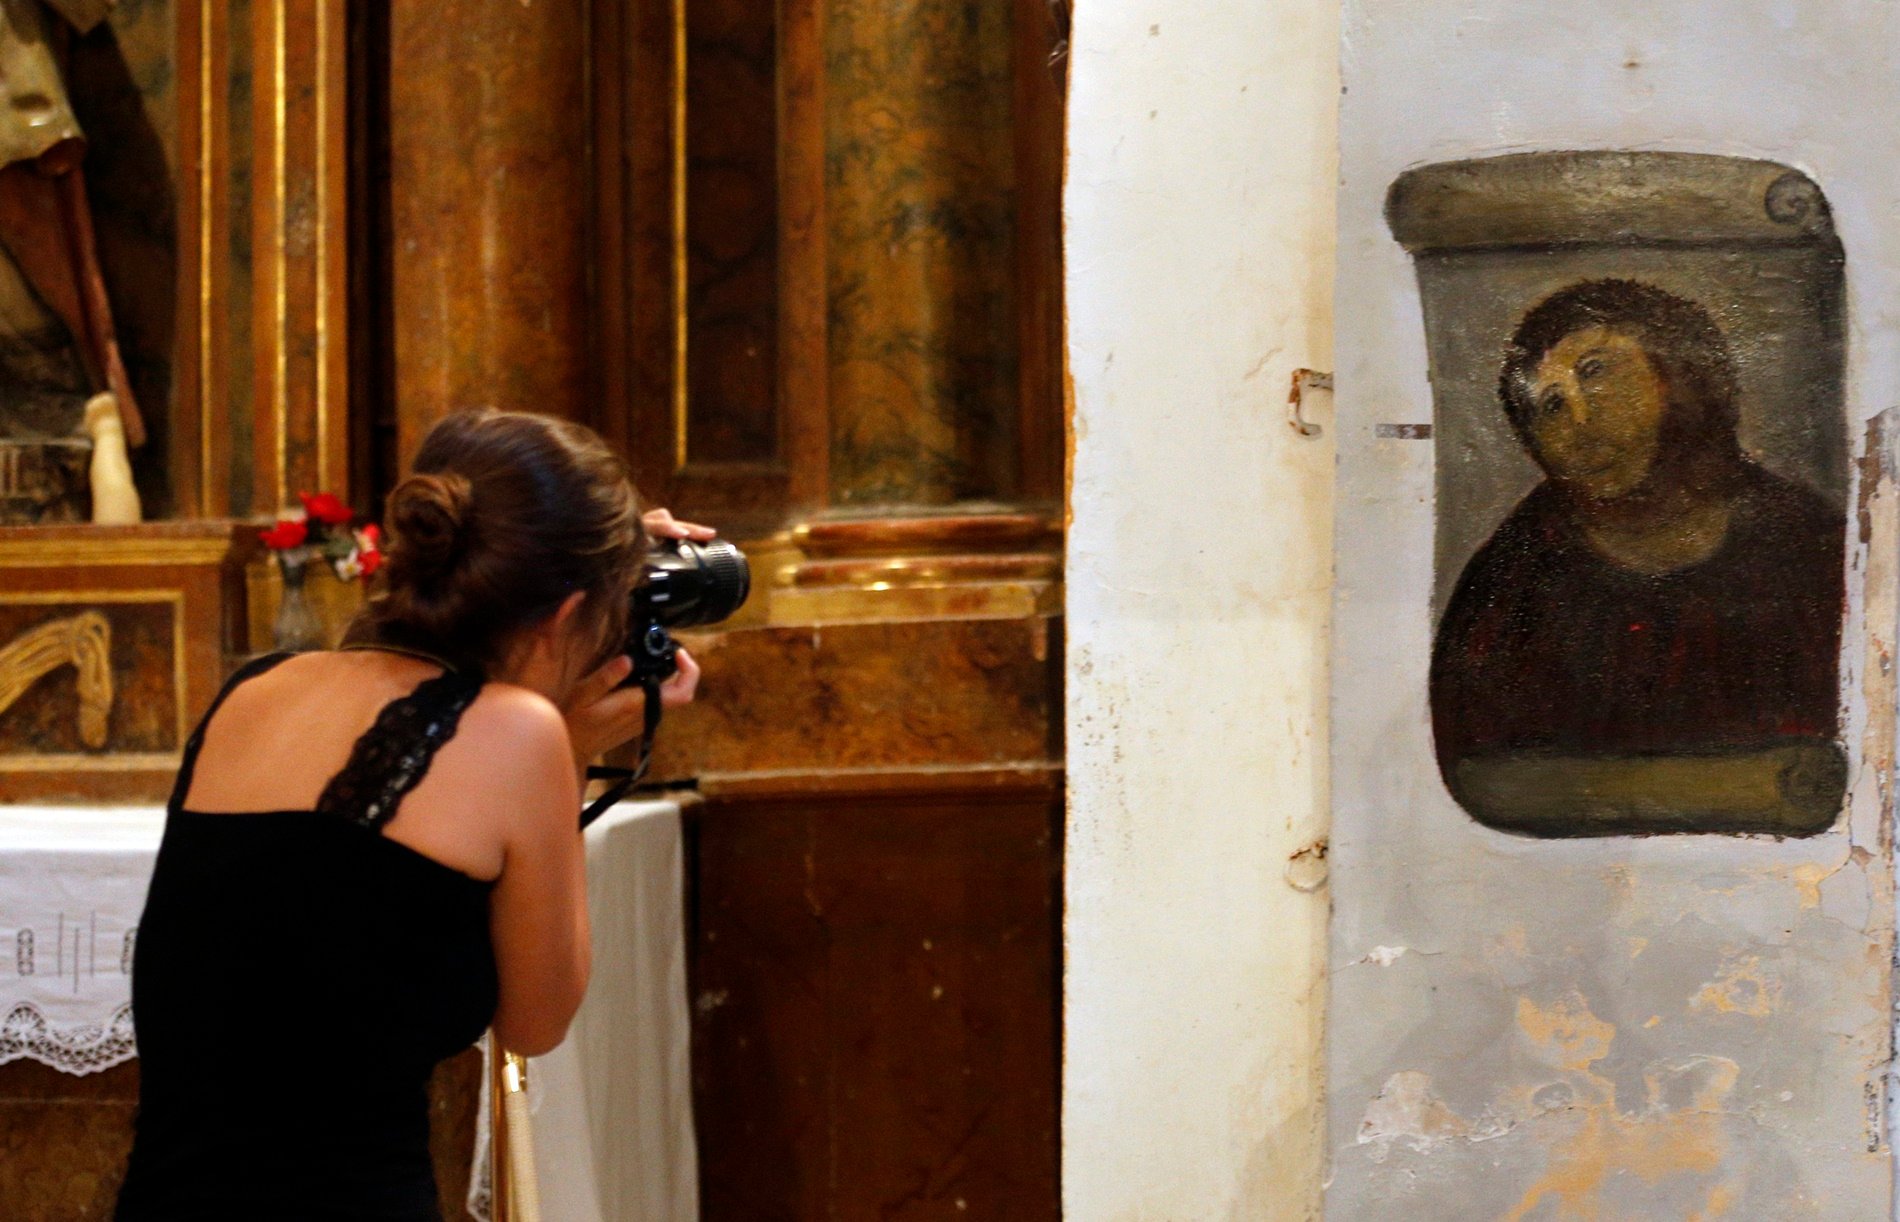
(297, 628)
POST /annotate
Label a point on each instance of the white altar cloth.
(72, 884)
(612, 1105)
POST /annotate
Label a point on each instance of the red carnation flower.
(325, 507)
(285, 535)
(371, 536)
(369, 561)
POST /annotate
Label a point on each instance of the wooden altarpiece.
(217, 145)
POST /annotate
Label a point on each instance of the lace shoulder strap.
(188, 760)
(393, 756)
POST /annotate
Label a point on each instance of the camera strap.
(625, 779)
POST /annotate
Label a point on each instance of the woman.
(1658, 594)
(372, 855)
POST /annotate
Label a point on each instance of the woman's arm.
(538, 909)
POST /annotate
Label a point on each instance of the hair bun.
(508, 515)
(429, 523)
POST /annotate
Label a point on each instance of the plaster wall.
(1673, 1027)
(1199, 214)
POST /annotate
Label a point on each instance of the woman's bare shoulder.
(295, 690)
(516, 724)
(328, 673)
(509, 764)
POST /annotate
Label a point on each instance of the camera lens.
(682, 585)
(689, 585)
(728, 580)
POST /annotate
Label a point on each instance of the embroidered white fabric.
(72, 884)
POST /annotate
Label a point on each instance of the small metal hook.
(1303, 381)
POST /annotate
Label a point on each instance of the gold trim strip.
(322, 75)
(281, 242)
(83, 553)
(131, 762)
(680, 296)
(810, 606)
(41, 598)
(207, 335)
(920, 570)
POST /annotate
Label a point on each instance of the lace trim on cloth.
(394, 755)
(82, 1048)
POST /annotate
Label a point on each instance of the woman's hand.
(601, 714)
(661, 524)
(683, 684)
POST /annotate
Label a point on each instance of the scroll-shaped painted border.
(1636, 363)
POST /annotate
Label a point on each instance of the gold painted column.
(919, 170)
(488, 199)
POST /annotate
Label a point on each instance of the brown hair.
(504, 515)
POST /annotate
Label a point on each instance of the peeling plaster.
(1742, 987)
(1406, 1110)
(1306, 869)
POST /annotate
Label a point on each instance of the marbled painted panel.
(879, 695)
(919, 201)
(488, 189)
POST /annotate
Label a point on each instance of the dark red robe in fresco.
(1546, 646)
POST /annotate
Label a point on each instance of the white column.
(1200, 252)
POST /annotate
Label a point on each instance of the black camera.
(682, 585)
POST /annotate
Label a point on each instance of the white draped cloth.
(72, 885)
(612, 1105)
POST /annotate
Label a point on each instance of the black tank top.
(297, 976)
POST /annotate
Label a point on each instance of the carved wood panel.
(876, 1033)
(112, 642)
(829, 258)
(84, 672)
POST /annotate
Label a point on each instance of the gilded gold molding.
(295, 288)
(791, 607)
(950, 533)
(81, 552)
(176, 600)
(681, 300)
(323, 244)
(207, 259)
(280, 247)
(896, 571)
(82, 641)
(142, 761)
(975, 565)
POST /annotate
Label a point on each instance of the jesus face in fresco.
(1596, 408)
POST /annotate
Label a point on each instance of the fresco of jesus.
(1649, 641)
